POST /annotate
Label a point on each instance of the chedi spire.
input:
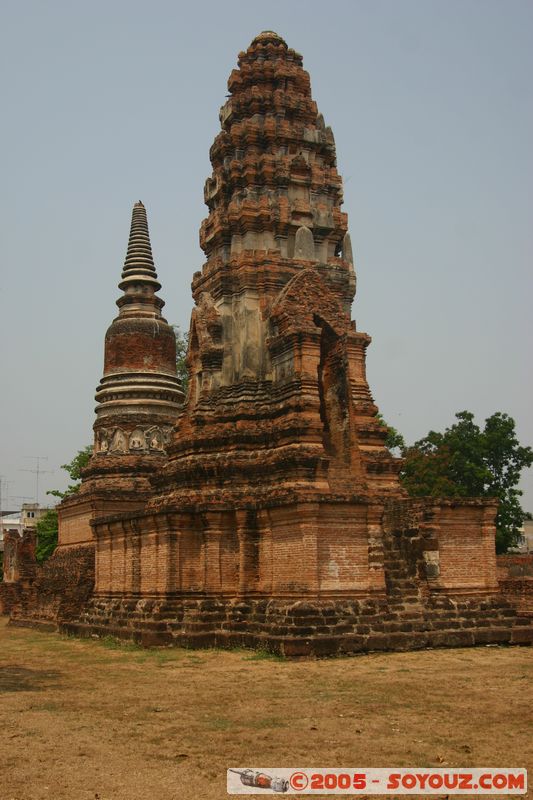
(139, 395)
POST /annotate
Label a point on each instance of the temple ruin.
(264, 508)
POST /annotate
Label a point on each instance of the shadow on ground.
(21, 679)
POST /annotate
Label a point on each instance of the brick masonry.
(515, 577)
(265, 510)
(50, 595)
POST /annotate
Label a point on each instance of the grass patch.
(50, 707)
(264, 655)
(219, 723)
(125, 645)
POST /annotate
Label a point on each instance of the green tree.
(466, 461)
(394, 438)
(47, 526)
(182, 343)
(74, 468)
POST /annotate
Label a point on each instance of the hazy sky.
(106, 103)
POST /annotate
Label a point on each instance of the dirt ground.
(94, 720)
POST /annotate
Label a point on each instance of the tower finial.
(269, 37)
(139, 278)
(139, 262)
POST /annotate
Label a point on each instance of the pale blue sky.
(105, 103)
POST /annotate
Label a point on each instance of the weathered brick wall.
(141, 345)
(9, 596)
(231, 552)
(343, 548)
(191, 554)
(290, 528)
(466, 547)
(514, 566)
(75, 528)
(519, 591)
(76, 513)
(337, 547)
(515, 576)
(57, 591)
(450, 545)
(182, 556)
(20, 569)
(65, 582)
(299, 627)
(19, 556)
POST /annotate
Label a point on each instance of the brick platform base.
(306, 628)
(410, 612)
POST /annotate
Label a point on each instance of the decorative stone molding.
(141, 439)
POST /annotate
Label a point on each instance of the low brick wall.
(514, 566)
(57, 591)
(515, 577)
(20, 569)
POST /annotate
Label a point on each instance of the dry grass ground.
(90, 720)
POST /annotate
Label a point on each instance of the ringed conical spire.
(139, 259)
(139, 277)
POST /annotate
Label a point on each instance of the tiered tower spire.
(275, 186)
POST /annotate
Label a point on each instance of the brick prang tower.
(279, 404)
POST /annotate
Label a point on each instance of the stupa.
(266, 510)
(138, 398)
